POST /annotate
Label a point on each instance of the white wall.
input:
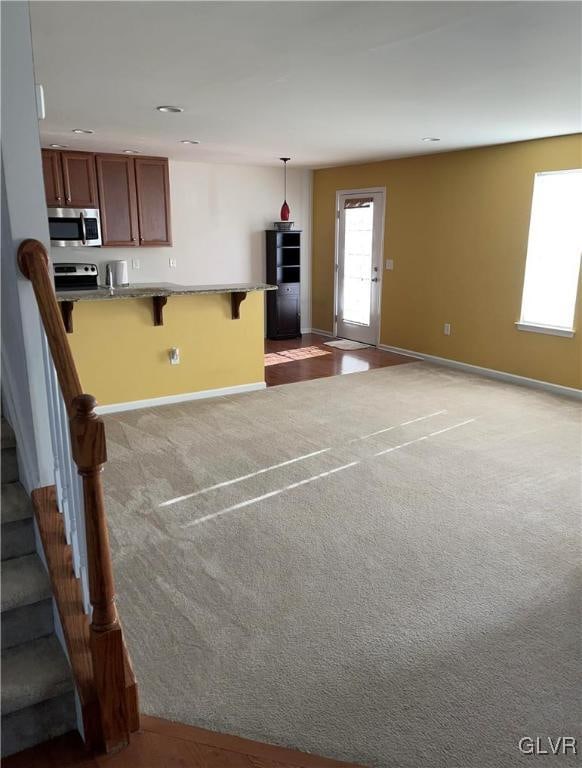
(219, 214)
(23, 216)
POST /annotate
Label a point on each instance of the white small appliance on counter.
(116, 274)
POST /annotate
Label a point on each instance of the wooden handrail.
(34, 264)
(117, 711)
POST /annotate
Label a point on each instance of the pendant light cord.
(285, 160)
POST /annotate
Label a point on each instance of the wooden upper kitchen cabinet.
(153, 200)
(69, 179)
(118, 196)
(79, 179)
(53, 178)
(133, 194)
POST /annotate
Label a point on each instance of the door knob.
(374, 279)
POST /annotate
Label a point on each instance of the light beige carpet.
(391, 579)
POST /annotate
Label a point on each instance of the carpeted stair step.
(37, 699)
(9, 465)
(27, 610)
(21, 625)
(17, 539)
(37, 724)
(17, 525)
(33, 672)
(8, 437)
(15, 503)
(24, 582)
(37, 694)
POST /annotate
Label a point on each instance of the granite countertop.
(145, 290)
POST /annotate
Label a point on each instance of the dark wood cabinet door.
(153, 200)
(79, 179)
(118, 200)
(287, 313)
(53, 178)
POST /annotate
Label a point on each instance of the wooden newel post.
(107, 648)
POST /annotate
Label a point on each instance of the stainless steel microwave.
(74, 226)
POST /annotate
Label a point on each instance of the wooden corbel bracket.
(67, 314)
(236, 300)
(159, 302)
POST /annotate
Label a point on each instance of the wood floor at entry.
(163, 744)
(309, 358)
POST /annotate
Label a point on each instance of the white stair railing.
(68, 484)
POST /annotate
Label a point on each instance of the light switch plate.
(447, 329)
(389, 265)
(135, 264)
(172, 263)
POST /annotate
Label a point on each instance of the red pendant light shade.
(285, 210)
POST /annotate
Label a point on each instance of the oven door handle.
(83, 228)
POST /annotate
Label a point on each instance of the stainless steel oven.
(76, 277)
(74, 226)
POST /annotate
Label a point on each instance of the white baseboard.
(181, 398)
(320, 332)
(491, 373)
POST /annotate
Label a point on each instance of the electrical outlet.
(389, 265)
(172, 263)
(135, 264)
(175, 356)
(447, 329)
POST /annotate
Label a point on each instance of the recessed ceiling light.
(189, 141)
(430, 138)
(82, 130)
(169, 109)
(130, 152)
(59, 146)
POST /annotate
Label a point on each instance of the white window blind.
(553, 251)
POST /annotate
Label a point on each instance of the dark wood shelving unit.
(284, 271)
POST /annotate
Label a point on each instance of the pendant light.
(285, 212)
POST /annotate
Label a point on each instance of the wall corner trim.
(491, 373)
(184, 397)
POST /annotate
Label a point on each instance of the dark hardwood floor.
(163, 744)
(308, 358)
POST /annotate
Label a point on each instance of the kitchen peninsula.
(123, 339)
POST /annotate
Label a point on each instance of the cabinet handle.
(68, 199)
(58, 198)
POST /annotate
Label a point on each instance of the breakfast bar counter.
(166, 343)
(159, 293)
(144, 290)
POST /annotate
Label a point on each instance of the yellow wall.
(456, 226)
(121, 356)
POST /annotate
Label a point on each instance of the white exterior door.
(360, 217)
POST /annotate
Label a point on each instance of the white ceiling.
(324, 83)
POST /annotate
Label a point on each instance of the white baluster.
(52, 407)
(67, 481)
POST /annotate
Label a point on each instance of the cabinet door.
(79, 179)
(153, 200)
(287, 313)
(118, 200)
(53, 178)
